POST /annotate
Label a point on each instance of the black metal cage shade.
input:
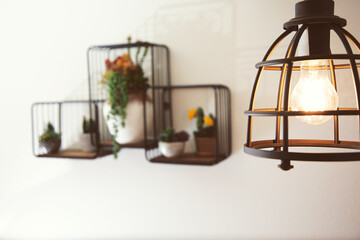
(278, 147)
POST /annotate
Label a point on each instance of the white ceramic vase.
(133, 132)
(171, 149)
(85, 143)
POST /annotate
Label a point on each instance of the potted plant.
(205, 136)
(125, 83)
(50, 140)
(89, 130)
(172, 143)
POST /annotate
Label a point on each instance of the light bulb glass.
(314, 92)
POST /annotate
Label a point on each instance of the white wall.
(43, 58)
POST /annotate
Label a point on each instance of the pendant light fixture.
(314, 99)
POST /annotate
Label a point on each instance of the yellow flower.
(119, 63)
(209, 121)
(108, 74)
(126, 57)
(192, 113)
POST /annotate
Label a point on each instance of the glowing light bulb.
(314, 92)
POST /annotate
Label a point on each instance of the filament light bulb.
(314, 92)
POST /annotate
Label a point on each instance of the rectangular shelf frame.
(156, 68)
(53, 112)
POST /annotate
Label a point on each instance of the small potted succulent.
(172, 143)
(205, 136)
(89, 130)
(50, 140)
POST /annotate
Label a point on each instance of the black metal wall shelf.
(156, 67)
(66, 116)
(166, 104)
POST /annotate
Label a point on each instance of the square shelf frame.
(163, 118)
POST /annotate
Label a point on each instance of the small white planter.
(171, 149)
(85, 143)
(133, 132)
